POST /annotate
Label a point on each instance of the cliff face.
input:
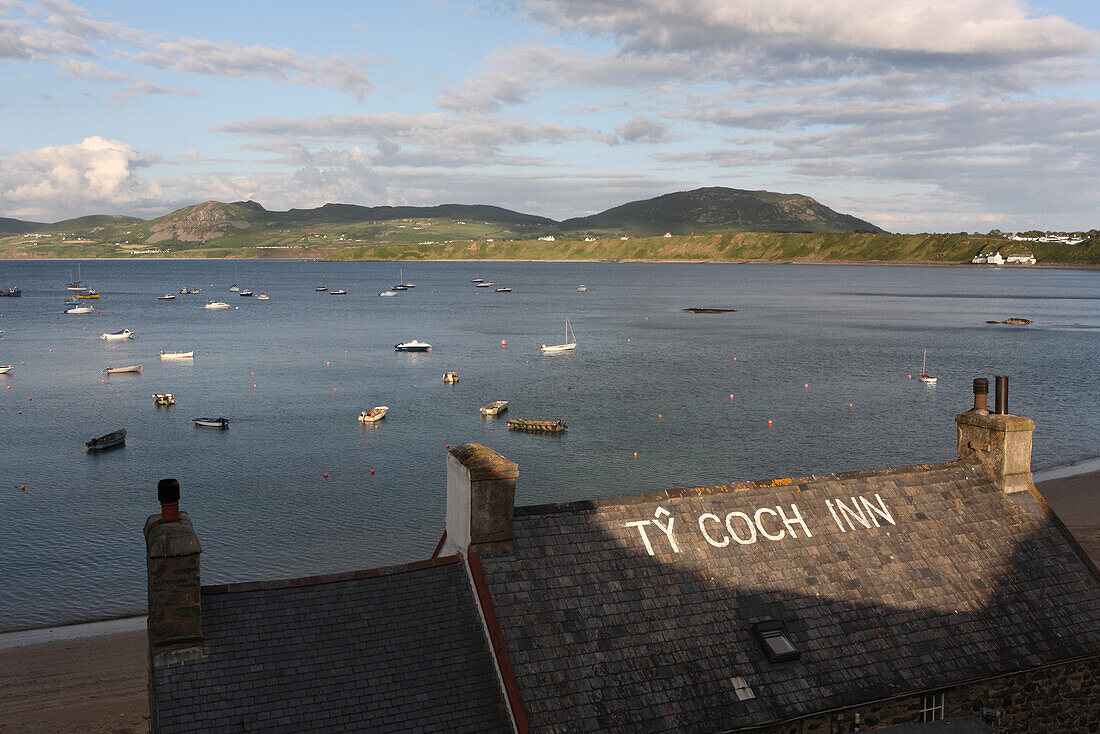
(203, 222)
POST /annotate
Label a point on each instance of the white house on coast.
(995, 258)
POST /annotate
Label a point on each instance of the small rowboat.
(123, 370)
(494, 408)
(109, 441)
(373, 415)
(178, 355)
(211, 422)
(536, 426)
(450, 378)
(124, 334)
(164, 398)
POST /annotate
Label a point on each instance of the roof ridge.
(799, 482)
(330, 578)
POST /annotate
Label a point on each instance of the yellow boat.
(89, 294)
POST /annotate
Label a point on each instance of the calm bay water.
(293, 373)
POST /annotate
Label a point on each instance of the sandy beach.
(95, 682)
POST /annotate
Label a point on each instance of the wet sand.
(97, 684)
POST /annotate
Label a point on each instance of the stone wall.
(1061, 698)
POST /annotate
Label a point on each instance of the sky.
(916, 115)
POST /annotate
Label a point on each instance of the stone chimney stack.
(481, 494)
(999, 441)
(172, 560)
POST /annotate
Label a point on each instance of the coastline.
(92, 677)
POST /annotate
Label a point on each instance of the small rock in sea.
(711, 310)
(1013, 321)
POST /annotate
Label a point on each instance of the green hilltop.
(714, 223)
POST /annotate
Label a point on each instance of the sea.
(813, 371)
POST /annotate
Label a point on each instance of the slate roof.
(960, 583)
(389, 650)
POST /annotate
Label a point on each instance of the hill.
(17, 226)
(718, 209)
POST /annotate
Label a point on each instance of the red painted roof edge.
(368, 573)
(439, 547)
(496, 639)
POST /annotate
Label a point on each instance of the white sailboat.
(923, 376)
(570, 341)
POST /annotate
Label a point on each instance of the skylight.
(775, 641)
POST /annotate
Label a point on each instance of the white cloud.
(147, 89)
(89, 70)
(641, 129)
(95, 175)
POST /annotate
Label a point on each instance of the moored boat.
(338, 292)
(504, 289)
(387, 294)
(108, 441)
(536, 426)
(216, 306)
(12, 292)
(130, 368)
(234, 288)
(185, 290)
(494, 408)
(569, 345)
(166, 297)
(89, 294)
(376, 413)
(245, 293)
(164, 398)
(262, 297)
(124, 334)
(450, 378)
(211, 422)
(178, 355)
(484, 284)
(923, 377)
(413, 346)
(5, 369)
(79, 309)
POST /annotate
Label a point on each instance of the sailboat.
(321, 288)
(75, 285)
(262, 295)
(924, 377)
(570, 339)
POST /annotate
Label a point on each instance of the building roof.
(399, 649)
(621, 614)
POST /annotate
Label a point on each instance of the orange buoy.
(731, 396)
(253, 384)
(327, 364)
(334, 389)
(503, 343)
(372, 471)
(635, 454)
(658, 415)
(769, 422)
(849, 405)
(806, 385)
(325, 475)
(22, 486)
(910, 377)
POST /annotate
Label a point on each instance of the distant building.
(668, 235)
(589, 239)
(934, 598)
(993, 258)
(547, 238)
(1021, 259)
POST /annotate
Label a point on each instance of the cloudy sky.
(918, 115)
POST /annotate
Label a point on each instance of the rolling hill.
(718, 209)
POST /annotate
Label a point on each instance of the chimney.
(481, 493)
(999, 441)
(172, 560)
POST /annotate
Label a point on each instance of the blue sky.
(918, 115)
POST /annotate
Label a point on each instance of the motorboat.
(6, 369)
(569, 345)
(234, 288)
(477, 280)
(164, 398)
(505, 289)
(338, 292)
(413, 346)
(89, 294)
(245, 293)
(108, 441)
(536, 426)
(450, 378)
(262, 297)
(178, 355)
(399, 287)
(217, 306)
(484, 284)
(11, 292)
(494, 408)
(373, 415)
(128, 369)
(582, 288)
(166, 297)
(222, 423)
(388, 294)
(79, 309)
(185, 290)
(124, 334)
